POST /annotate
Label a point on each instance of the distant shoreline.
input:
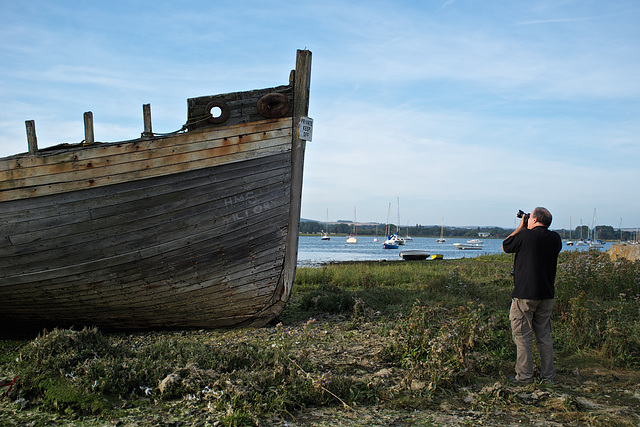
(433, 237)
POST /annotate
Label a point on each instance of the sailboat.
(595, 243)
(325, 234)
(581, 242)
(407, 237)
(569, 242)
(375, 239)
(390, 243)
(352, 238)
(441, 239)
(398, 239)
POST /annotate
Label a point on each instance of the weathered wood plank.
(242, 106)
(90, 176)
(130, 235)
(192, 296)
(69, 158)
(177, 210)
(32, 140)
(302, 84)
(89, 137)
(146, 114)
(27, 210)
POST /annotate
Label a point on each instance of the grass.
(394, 336)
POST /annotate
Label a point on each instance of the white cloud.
(448, 106)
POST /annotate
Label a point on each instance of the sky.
(463, 110)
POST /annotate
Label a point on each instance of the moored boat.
(570, 241)
(474, 244)
(441, 239)
(352, 238)
(596, 244)
(390, 243)
(193, 229)
(325, 234)
(414, 255)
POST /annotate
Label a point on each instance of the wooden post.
(88, 128)
(32, 140)
(146, 112)
(302, 82)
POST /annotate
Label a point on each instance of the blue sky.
(464, 110)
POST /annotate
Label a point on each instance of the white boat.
(414, 255)
(581, 241)
(441, 239)
(325, 234)
(394, 239)
(352, 238)
(595, 243)
(570, 242)
(471, 244)
(408, 238)
(390, 242)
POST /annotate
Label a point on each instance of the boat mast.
(355, 224)
(621, 229)
(387, 229)
(398, 227)
(326, 224)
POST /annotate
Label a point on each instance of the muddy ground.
(582, 395)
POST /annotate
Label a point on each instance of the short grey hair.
(543, 215)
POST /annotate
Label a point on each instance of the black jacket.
(535, 262)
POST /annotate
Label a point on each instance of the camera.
(520, 214)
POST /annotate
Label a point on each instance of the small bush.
(328, 298)
(597, 305)
(436, 343)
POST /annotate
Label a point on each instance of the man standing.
(536, 249)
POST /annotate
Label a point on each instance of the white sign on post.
(305, 128)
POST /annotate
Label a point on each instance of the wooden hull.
(192, 230)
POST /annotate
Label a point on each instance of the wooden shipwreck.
(193, 229)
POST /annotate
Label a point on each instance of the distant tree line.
(603, 232)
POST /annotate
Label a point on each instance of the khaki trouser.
(529, 316)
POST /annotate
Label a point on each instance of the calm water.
(313, 251)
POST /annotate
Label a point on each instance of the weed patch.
(409, 337)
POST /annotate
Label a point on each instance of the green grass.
(435, 326)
